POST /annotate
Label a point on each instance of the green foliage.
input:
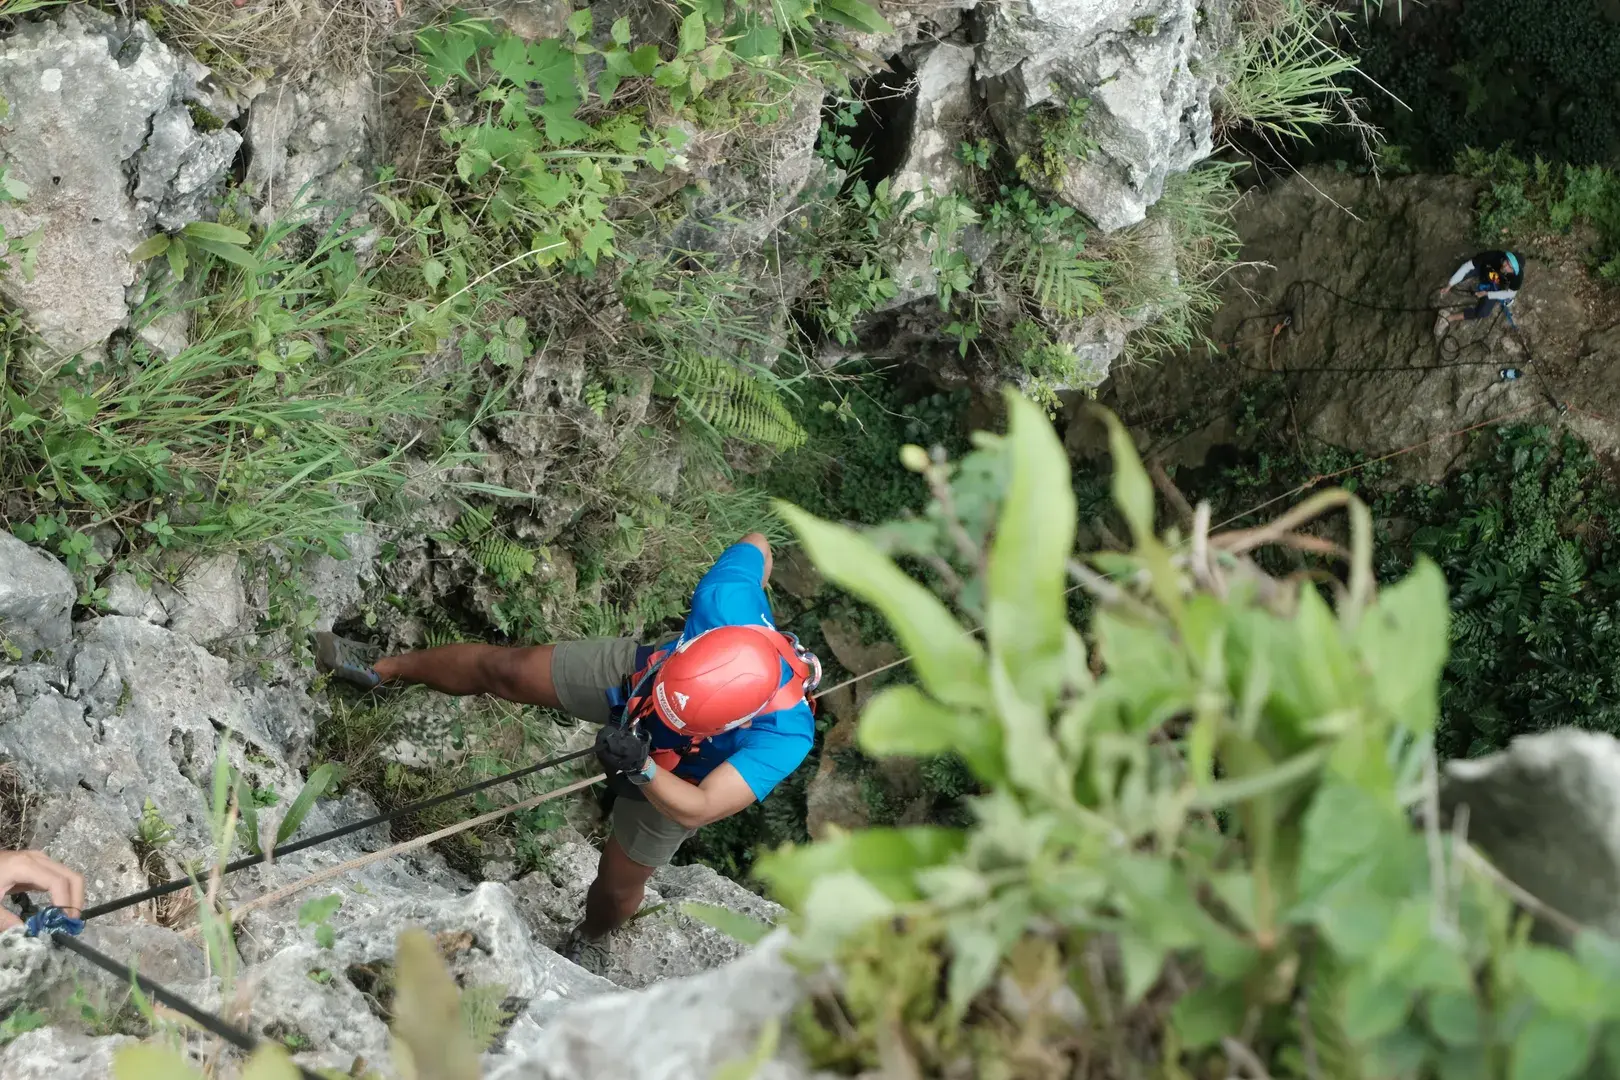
(1522, 199)
(1061, 139)
(196, 246)
(24, 249)
(20, 1021)
(1529, 73)
(152, 831)
(736, 402)
(1525, 537)
(1286, 74)
(318, 914)
(1214, 786)
(1172, 287)
(484, 1014)
(267, 430)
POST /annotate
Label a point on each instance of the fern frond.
(734, 402)
(1567, 574)
(506, 559)
(1060, 280)
(441, 631)
(484, 1015)
(471, 525)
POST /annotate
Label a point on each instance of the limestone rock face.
(1368, 373)
(36, 595)
(125, 712)
(1140, 64)
(1546, 811)
(101, 133)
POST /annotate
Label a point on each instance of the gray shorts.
(583, 672)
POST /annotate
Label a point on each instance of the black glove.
(622, 750)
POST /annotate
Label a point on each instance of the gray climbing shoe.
(592, 955)
(347, 660)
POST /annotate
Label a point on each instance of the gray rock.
(1546, 812)
(27, 966)
(931, 168)
(125, 596)
(662, 943)
(309, 140)
(209, 602)
(944, 103)
(180, 170)
(338, 585)
(55, 1054)
(36, 597)
(1370, 381)
(83, 90)
(55, 750)
(675, 1030)
(1139, 62)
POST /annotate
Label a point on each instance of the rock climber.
(691, 730)
(34, 871)
(1497, 278)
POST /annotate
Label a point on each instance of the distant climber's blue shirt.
(775, 743)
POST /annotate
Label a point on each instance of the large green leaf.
(1549, 1048)
(1133, 491)
(904, 720)
(947, 660)
(230, 253)
(857, 14)
(1027, 612)
(1562, 985)
(888, 858)
(1403, 642)
(735, 925)
(313, 788)
(219, 234)
(149, 1061)
(427, 1012)
(150, 248)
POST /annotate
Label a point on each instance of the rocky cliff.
(1357, 268)
(115, 718)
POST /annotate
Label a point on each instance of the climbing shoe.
(347, 660)
(590, 954)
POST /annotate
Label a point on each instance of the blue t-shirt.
(775, 743)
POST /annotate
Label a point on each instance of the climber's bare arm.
(723, 792)
(764, 545)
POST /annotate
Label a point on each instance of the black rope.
(300, 845)
(1292, 312)
(242, 1040)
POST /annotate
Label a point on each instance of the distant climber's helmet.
(717, 681)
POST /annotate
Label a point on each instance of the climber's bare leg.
(617, 892)
(520, 674)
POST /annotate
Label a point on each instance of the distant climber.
(693, 729)
(1497, 277)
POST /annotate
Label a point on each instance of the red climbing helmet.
(726, 676)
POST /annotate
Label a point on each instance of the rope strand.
(245, 1041)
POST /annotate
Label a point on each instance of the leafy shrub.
(1196, 852)
(273, 427)
(1483, 73)
(1523, 198)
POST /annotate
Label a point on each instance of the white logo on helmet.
(682, 698)
(665, 708)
